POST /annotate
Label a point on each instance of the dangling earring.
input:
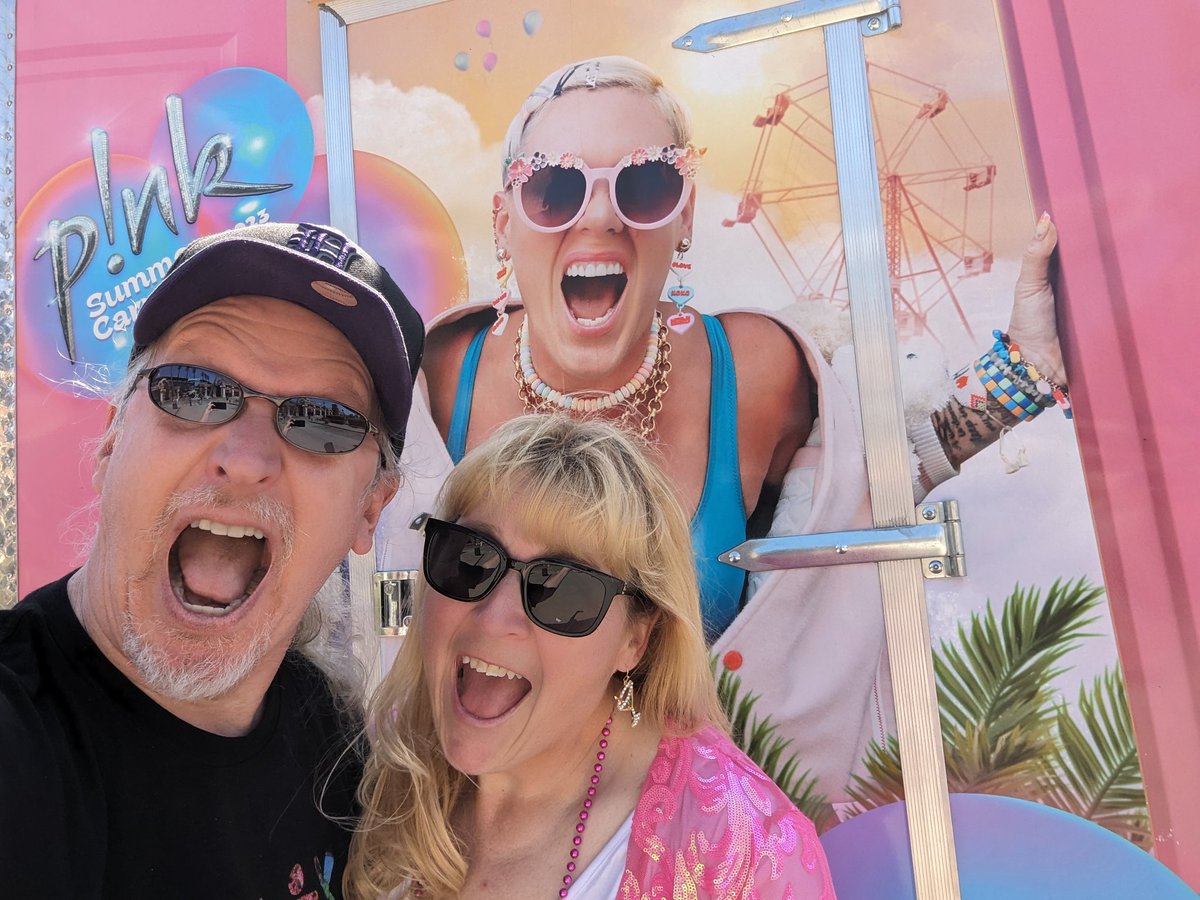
(500, 304)
(681, 295)
(625, 700)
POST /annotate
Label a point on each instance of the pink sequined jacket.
(710, 824)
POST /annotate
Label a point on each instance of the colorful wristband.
(1004, 389)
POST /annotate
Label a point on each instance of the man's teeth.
(594, 270)
(233, 531)
(489, 669)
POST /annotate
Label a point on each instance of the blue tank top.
(720, 520)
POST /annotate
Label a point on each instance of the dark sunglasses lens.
(321, 425)
(195, 394)
(564, 599)
(553, 195)
(460, 564)
(648, 193)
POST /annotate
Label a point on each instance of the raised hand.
(1033, 325)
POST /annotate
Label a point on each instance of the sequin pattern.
(710, 824)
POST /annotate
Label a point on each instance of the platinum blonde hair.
(594, 74)
(586, 488)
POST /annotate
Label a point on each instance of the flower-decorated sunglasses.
(648, 187)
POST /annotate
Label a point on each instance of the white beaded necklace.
(589, 401)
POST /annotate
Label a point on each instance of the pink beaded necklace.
(581, 827)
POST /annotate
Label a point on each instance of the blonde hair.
(591, 481)
(594, 74)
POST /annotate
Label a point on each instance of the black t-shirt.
(103, 793)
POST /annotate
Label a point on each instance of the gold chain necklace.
(639, 400)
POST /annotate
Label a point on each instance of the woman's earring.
(625, 700)
(681, 295)
(500, 304)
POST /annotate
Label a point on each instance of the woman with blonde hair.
(594, 224)
(555, 729)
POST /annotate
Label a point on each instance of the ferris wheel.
(935, 180)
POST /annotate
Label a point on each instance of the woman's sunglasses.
(206, 397)
(562, 597)
(648, 188)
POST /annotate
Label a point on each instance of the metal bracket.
(874, 17)
(394, 601)
(937, 542)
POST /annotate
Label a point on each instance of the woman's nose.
(600, 212)
(502, 611)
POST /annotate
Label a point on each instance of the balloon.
(461, 61)
(483, 28)
(404, 226)
(532, 21)
(489, 61)
(1006, 848)
(78, 340)
(271, 137)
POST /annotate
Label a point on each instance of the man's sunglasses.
(207, 397)
(648, 188)
(562, 597)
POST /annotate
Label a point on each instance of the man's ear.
(384, 490)
(104, 451)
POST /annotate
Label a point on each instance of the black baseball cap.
(314, 266)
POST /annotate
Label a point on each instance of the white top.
(602, 878)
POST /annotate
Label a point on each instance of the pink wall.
(82, 66)
(1110, 115)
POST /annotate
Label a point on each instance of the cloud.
(435, 137)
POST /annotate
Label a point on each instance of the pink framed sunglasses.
(648, 187)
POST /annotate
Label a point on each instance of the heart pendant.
(680, 322)
(681, 295)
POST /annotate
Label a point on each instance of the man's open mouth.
(488, 691)
(214, 567)
(593, 290)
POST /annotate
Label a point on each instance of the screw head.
(928, 513)
(935, 567)
(735, 556)
(874, 24)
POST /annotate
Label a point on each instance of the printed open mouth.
(592, 291)
(214, 566)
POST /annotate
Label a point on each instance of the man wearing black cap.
(161, 733)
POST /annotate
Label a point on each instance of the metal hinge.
(937, 542)
(874, 17)
(394, 600)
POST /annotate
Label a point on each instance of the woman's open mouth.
(592, 291)
(488, 691)
(215, 566)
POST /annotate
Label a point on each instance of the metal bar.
(339, 133)
(838, 548)
(8, 344)
(762, 24)
(353, 11)
(927, 804)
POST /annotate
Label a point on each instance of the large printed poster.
(766, 235)
(1032, 692)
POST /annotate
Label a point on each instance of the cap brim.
(238, 266)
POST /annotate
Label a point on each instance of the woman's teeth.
(599, 320)
(594, 270)
(489, 669)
